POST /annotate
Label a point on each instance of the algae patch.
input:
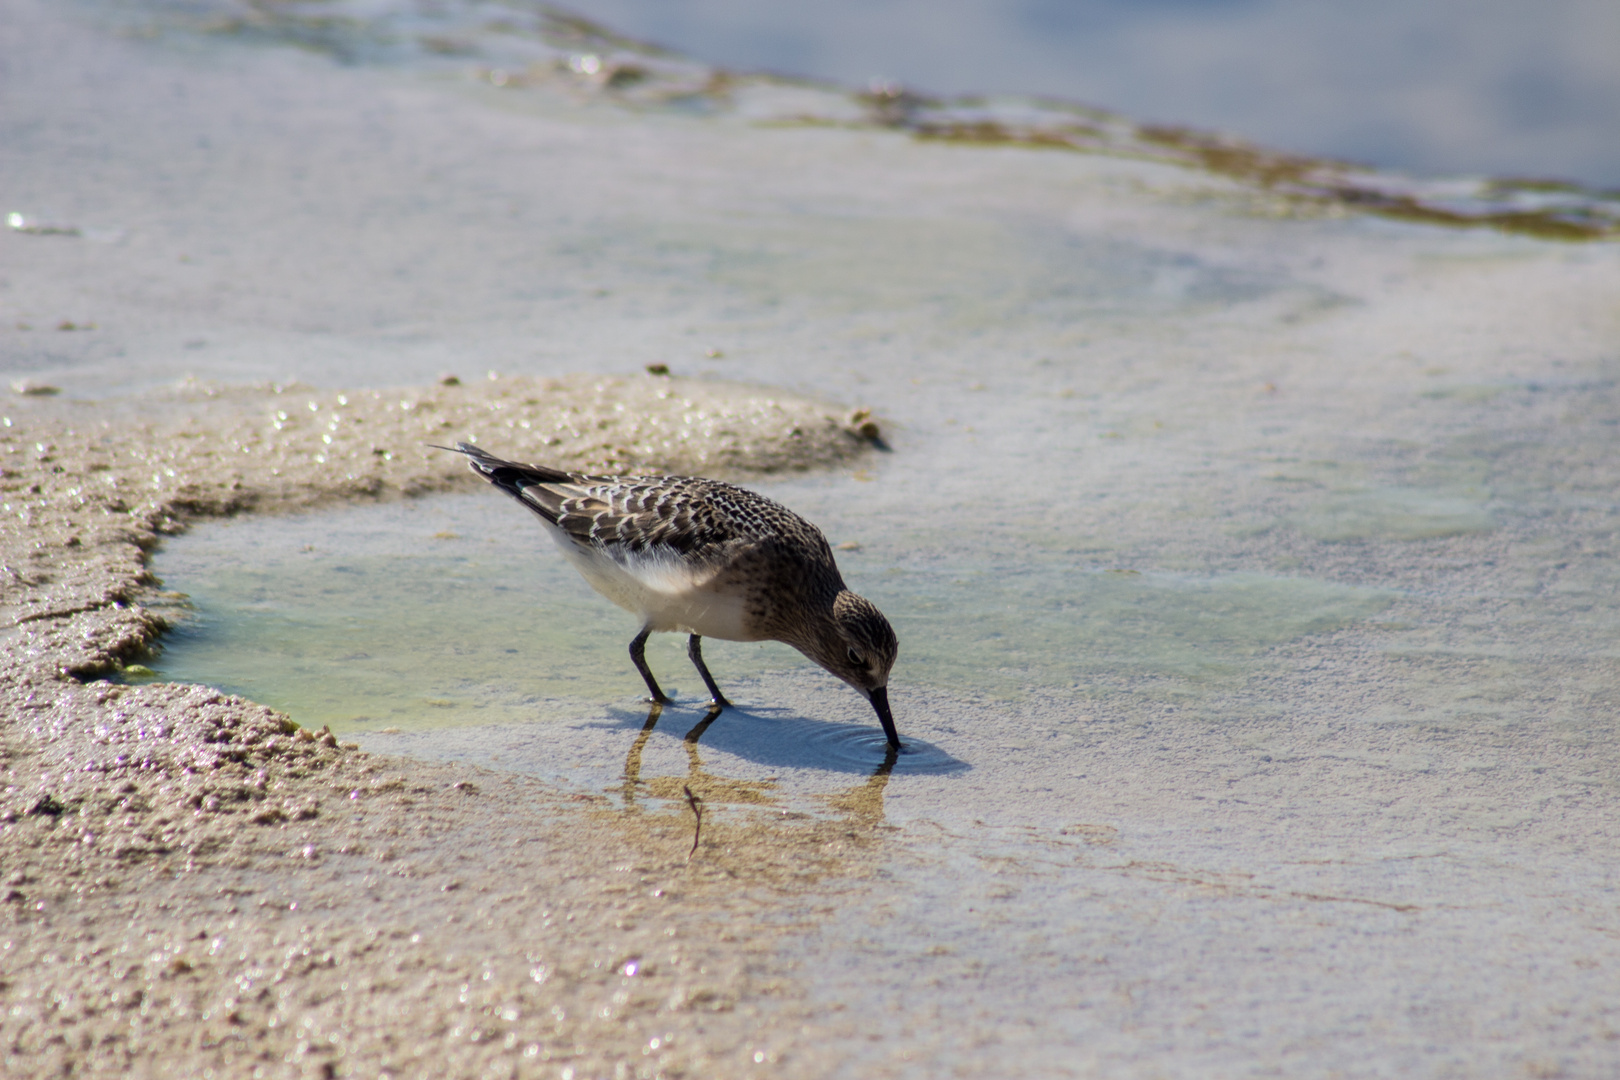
(381, 618)
(1392, 514)
(1172, 637)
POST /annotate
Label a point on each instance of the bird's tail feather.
(510, 476)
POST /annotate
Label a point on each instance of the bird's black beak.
(880, 702)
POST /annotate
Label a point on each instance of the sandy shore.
(194, 883)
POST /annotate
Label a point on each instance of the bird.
(708, 559)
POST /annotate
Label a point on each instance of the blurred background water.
(1433, 86)
(1453, 111)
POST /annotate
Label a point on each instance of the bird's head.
(858, 645)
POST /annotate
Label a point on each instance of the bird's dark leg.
(695, 651)
(638, 656)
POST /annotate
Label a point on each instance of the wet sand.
(192, 882)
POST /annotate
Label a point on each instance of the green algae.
(407, 615)
(1391, 513)
(456, 611)
(1177, 637)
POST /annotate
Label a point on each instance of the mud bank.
(194, 883)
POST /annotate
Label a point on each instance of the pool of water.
(457, 610)
(1132, 595)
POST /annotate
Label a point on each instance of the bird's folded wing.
(567, 507)
(618, 523)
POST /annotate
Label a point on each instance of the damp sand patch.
(247, 890)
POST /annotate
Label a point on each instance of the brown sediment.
(992, 133)
(190, 881)
(1307, 182)
(1324, 179)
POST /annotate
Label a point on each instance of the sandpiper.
(707, 559)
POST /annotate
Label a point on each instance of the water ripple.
(850, 746)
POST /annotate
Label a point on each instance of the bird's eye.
(855, 657)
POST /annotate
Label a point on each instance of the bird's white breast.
(660, 588)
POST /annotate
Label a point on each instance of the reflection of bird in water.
(861, 804)
(718, 789)
(710, 560)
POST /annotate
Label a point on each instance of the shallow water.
(457, 610)
(1437, 86)
(1252, 569)
(1162, 578)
